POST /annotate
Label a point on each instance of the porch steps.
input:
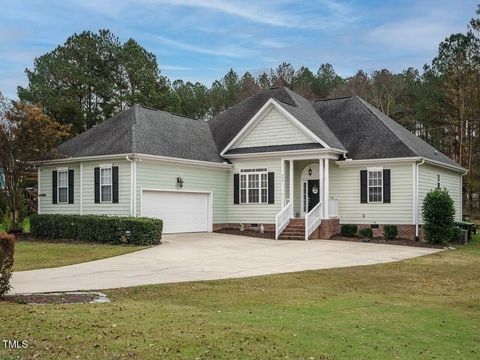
(295, 230)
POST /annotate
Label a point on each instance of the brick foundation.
(404, 231)
(267, 227)
(327, 229)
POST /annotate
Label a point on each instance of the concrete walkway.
(208, 256)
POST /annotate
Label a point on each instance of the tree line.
(92, 76)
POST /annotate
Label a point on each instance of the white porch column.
(320, 183)
(282, 181)
(291, 181)
(326, 189)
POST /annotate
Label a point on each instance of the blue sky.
(201, 40)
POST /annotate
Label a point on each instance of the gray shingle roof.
(367, 133)
(229, 123)
(349, 124)
(146, 131)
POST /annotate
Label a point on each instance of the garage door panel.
(180, 211)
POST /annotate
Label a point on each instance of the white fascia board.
(290, 154)
(141, 157)
(349, 162)
(270, 104)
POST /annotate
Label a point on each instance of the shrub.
(457, 235)
(348, 230)
(390, 232)
(7, 246)
(95, 228)
(438, 216)
(366, 232)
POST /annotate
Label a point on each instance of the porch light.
(310, 170)
(180, 182)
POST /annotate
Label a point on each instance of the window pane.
(243, 196)
(106, 176)
(243, 181)
(264, 181)
(264, 196)
(106, 193)
(253, 181)
(62, 194)
(253, 196)
(63, 178)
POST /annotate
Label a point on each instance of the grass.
(422, 308)
(30, 255)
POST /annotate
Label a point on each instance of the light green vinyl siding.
(46, 206)
(255, 213)
(451, 180)
(345, 186)
(161, 176)
(123, 206)
(274, 129)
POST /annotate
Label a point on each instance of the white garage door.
(180, 211)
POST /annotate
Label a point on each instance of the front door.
(313, 194)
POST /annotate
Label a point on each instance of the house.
(274, 161)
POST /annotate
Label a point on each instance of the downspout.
(461, 195)
(133, 184)
(416, 201)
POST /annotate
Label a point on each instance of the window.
(253, 186)
(375, 186)
(62, 186)
(438, 182)
(106, 184)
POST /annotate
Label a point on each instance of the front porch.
(305, 197)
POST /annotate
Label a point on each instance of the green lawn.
(423, 308)
(31, 255)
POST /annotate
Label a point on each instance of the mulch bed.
(54, 298)
(251, 233)
(399, 241)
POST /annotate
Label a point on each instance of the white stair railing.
(333, 208)
(283, 218)
(313, 220)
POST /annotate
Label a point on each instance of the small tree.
(7, 244)
(26, 135)
(438, 216)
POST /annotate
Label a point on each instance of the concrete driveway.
(208, 256)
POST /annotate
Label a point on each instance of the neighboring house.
(269, 159)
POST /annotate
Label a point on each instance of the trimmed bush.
(390, 232)
(366, 233)
(438, 216)
(99, 229)
(348, 230)
(7, 247)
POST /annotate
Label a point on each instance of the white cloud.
(233, 50)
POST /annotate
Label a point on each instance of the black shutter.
(236, 188)
(386, 186)
(363, 186)
(70, 187)
(115, 184)
(271, 188)
(54, 186)
(97, 184)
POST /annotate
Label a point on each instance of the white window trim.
(62, 170)
(246, 172)
(104, 167)
(370, 170)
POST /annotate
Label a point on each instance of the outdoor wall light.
(310, 171)
(180, 182)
